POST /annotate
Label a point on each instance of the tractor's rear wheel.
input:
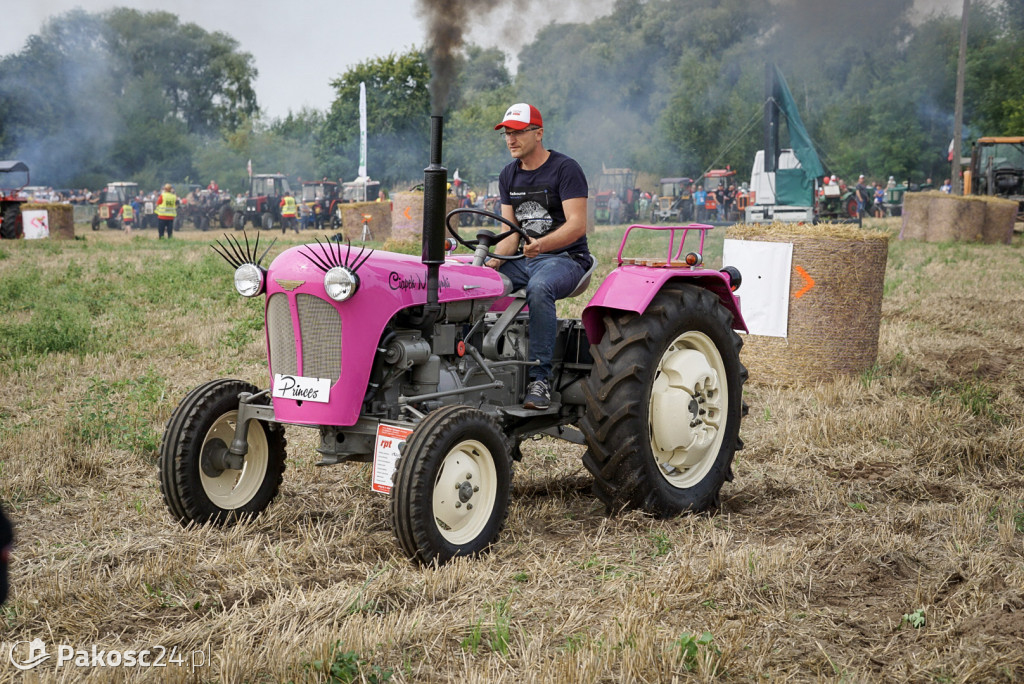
(196, 482)
(664, 404)
(267, 221)
(9, 229)
(451, 486)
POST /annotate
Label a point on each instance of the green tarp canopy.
(799, 140)
(793, 187)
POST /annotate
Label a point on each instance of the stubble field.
(874, 530)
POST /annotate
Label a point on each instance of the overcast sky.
(299, 47)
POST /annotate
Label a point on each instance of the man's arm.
(573, 229)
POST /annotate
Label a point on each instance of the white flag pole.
(362, 130)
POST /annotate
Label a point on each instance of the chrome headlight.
(249, 280)
(340, 283)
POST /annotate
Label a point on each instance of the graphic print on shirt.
(531, 208)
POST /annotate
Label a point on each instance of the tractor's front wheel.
(197, 479)
(664, 403)
(451, 487)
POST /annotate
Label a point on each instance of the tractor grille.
(320, 326)
(320, 333)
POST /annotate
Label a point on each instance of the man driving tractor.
(545, 193)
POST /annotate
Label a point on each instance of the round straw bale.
(833, 326)
(1000, 215)
(915, 217)
(944, 218)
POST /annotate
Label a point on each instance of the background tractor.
(263, 203)
(997, 168)
(11, 197)
(620, 183)
(675, 200)
(323, 199)
(418, 364)
(111, 199)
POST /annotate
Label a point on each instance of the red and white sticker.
(385, 455)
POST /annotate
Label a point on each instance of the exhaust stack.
(435, 194)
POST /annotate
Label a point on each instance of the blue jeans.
(547, 278)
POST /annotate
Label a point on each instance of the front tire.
(664, 404)
(194, 486)
(451, 486)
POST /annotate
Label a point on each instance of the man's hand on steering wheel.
(486, 237)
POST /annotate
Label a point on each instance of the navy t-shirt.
(537, 195)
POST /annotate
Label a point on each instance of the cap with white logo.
(519, 116)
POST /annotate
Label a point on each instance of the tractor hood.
(311, 335)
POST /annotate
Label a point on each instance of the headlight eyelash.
(236, 255)
(330, 256)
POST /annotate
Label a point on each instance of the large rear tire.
(664, 404)
(10, 228)
(451, 486)
(195, 485)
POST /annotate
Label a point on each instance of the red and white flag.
(949, 155)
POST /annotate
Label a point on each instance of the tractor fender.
(631, 288)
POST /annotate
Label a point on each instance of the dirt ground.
(874, 530)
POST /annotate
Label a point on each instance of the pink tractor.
(419, 365)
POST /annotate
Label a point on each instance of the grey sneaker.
(538, 396)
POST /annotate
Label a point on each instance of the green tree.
(121, 94)
(397, 113)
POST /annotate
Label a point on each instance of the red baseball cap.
(519, 116)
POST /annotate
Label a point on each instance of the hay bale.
(60, 217)
(939, 217)
(407, 215)
(379, 224)
(915, 216)
(832, 327)
(1000, 215)
(944, 214)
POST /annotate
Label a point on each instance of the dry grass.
(857, 503)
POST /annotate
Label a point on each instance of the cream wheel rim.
(232, 489)
(688, 409)
(465, 490)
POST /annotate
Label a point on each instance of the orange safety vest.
(288, 206)
(168, 206)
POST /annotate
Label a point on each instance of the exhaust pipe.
(435, 195)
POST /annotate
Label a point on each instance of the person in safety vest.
(166, 211)
(127, 216)
(288, 211)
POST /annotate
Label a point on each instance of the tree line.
(668, 87)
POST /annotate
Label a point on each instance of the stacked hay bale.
(60, 217)
(939, 217)
(833, 326)
(407, 216)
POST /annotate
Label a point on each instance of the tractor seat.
(581, 285)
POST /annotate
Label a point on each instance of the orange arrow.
(809, 282)
(407, 214)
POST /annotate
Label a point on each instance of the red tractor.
(112, 198)
(620, 183)
(263, 204)
(11, 198)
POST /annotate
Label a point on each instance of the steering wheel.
(486, 238)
